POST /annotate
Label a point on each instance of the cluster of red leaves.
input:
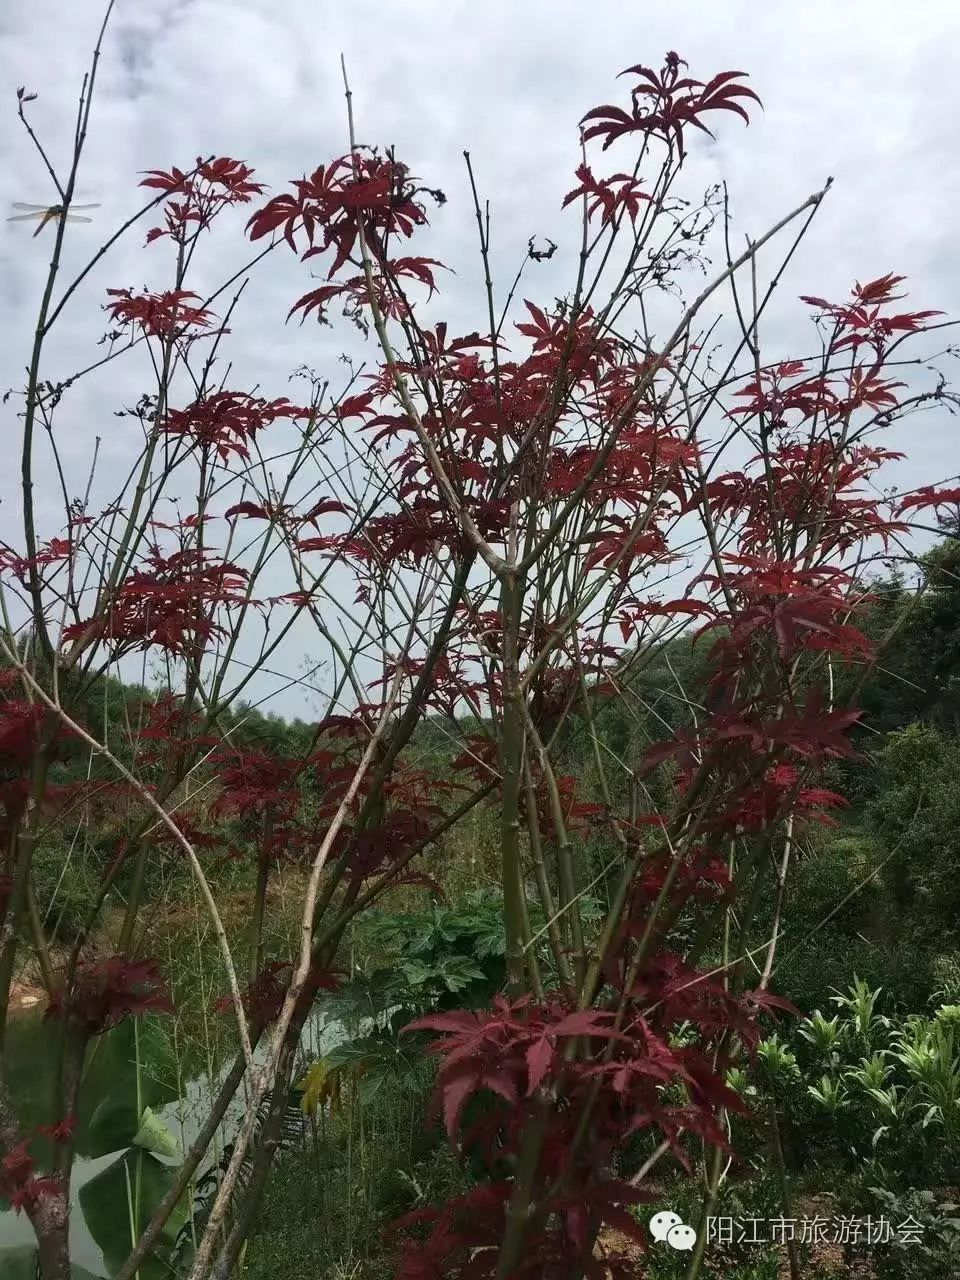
(381, 292)
(608, 196)
(770, 396)
(801, 609)
(266, 792)
(21, 723)
(466, 1233)
(360, 191)
(228, 421)
(817, 485)
(19, 729)
(447, 685)
(645, 459)
(196, 197)
(172, 727)
(104, 992)
(483, 410)
(370, 851)
(515, 1055)
(410, 812)
(699, 877)
(664, 103)
(758, 806)
(166, 315)
(56, 551)
(19, 1183)
(479, 758)
(579, 815)
(170, 604)
(741, 734)
(584, 345)
(861, 321)
(253, 782)
(930, 496)
(634, 614)
(285, 803)
(263, 999)
(417, 532)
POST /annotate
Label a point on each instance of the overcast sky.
(865, 92)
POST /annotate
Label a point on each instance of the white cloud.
(862, 91)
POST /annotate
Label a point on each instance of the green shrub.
(829, 963)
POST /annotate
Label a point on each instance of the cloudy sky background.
(865, 92)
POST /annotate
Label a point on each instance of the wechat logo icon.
(669, 1228)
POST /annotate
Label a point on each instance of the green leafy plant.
(862, 1022)
(823, 1034)
(932, 1251)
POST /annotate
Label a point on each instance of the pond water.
(31, 1065)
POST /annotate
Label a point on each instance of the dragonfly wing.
(72, 217)
(84, 206)
(25, 217)
(37, 208)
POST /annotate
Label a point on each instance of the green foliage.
(946, 974)
(842, 920)
(380, 1064)
(918, 679)
(831, 961)
(435, 956)
(131, 1070)
(290, 1136)
(20, 1263)
(118, 1203)
(331, 1204)
(444, 957)
(934, 1254)
(916, 814)
(864, 1085)
(66, 879)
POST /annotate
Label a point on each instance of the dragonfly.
(44, 213)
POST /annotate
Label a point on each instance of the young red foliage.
(228, 421)
(160, 315)
(104, 992)
(263, 999)
(664, 104)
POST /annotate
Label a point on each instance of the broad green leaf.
(153, 1135)
(416, 972)
(137, 1178)
(112, 1103)
(370, 1086)
(112, 1126)
(19, 1263)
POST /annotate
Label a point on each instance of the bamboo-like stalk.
(260, 896)
(511, 766)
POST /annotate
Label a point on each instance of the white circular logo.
(661, 1224)
(669, 1228)
(681, 1237)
